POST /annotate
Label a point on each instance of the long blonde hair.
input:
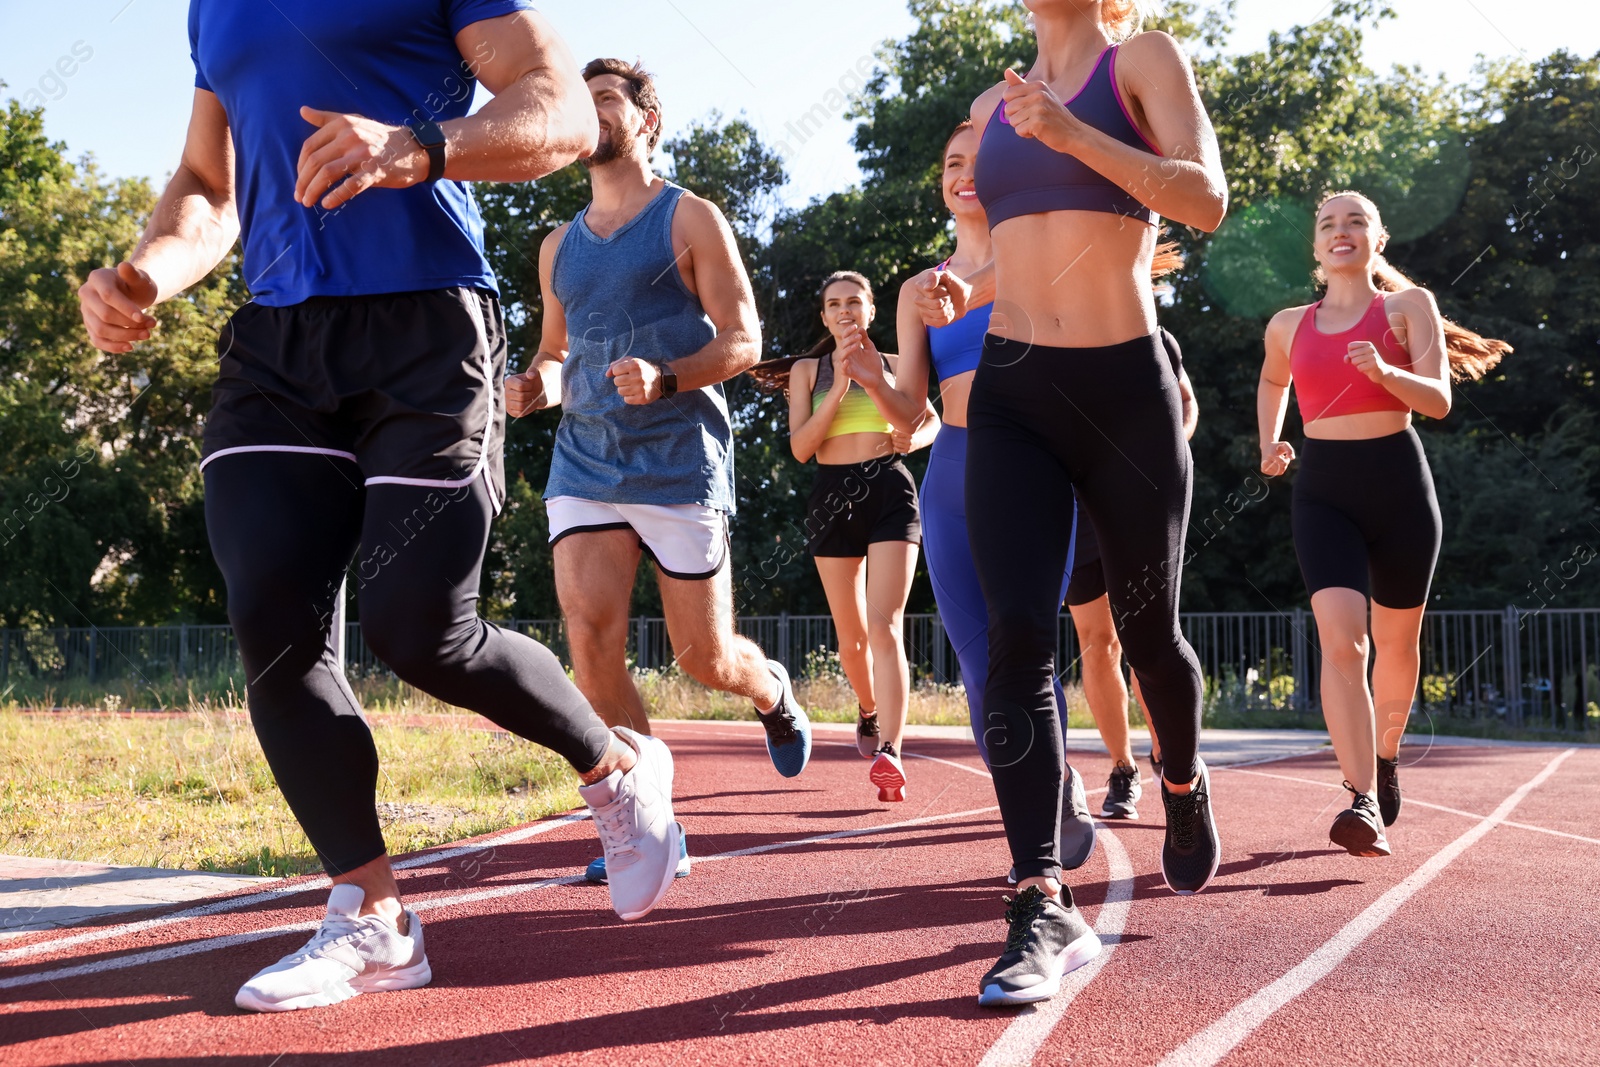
(1471, 355)
(1124, 18)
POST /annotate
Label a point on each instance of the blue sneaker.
(788, 727)
(596, 871)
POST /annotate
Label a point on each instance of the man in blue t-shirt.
(358, 415)
(647, 311)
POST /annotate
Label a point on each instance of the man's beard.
(618, 145)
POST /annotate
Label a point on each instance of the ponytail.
(1471, 355)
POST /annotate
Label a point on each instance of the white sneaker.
(633, 814)
(348, 955)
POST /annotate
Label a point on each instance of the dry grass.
(193, 791)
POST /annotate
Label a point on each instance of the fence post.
(183, 650)
(1302, 672)
(641, 639)
(5, 655)
(1513, 666)
(94, 651)
(783, 656)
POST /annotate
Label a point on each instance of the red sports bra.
(1325, 384)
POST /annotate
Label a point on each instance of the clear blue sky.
(128, 103)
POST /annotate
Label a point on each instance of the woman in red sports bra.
(1362, 359)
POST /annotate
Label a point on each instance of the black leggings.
(284, 528)
(1105, 422)
(1367, 507)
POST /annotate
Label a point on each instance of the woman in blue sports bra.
(951, 354)
(1074, 397)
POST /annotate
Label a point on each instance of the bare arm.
(808, 429)
(1185, 182)
(541, 119)
(1425, 388)
(1191, 406)
(710, 261)
(194, 224)
(539, 386)
(1272, 392)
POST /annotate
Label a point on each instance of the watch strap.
(669, 381)
(431, 138)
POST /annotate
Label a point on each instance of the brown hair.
(772, 375)
(1471, 355)
(961, 127)
(641, 88)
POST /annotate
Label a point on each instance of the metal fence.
(1527, 669)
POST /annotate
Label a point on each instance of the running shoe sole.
(1357, 836)
(890, 780)
(1078, 953)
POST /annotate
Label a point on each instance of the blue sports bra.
(1019, 175)
(958, 347)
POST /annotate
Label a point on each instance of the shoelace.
(866, 725)
(334, 928)
(1183, 811)
(887, 750)
(1021, 910)
(1363, 803)
(780, 722)
(616, 833)
(1120, 785)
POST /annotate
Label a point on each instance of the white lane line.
(1220, 1038)
(1022, 1040)
(1435, 807)
(217, 907)
(211, 944)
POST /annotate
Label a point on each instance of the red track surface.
(868, 948)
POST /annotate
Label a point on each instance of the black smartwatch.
(431, 137)
(669, 382)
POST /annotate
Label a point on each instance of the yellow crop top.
(857, 413)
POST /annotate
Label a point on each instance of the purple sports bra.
(1022, 176)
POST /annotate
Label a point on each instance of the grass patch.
(192, 790)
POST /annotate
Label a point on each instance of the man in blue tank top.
(357, 416)
(647, 311)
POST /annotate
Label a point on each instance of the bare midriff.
(1359, 426)
(953, 393)
(855, 448)
(1073, 279)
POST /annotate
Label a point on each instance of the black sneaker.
(1359, 828)
(1044, 941)
(1389, 789)
(1077, 825)
(1123, 791)
(866, 733)
(1192, 851)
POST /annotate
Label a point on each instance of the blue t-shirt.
(393, 61)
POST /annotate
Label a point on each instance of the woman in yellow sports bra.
(861, 522)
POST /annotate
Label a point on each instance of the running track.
(822, 927)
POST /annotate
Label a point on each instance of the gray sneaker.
(640, 838)
(1122, 793)
(1044, 940)
(1077, 825)
(350, 954)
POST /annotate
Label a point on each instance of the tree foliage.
(1489, 188)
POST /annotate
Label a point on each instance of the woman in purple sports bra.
(1074, 393)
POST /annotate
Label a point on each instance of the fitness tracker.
(431, 137)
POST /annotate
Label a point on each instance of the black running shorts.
(408, 386)
(854, 505)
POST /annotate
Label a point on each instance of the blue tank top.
(623, 296)
(1018, 175)
(958, 347)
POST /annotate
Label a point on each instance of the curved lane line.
(1213, 1043)
(1026, 1035)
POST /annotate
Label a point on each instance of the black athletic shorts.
(1365, 512)
(854, 505)
(408, 386)
(1088, 581)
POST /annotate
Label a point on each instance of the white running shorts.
(688, 542)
